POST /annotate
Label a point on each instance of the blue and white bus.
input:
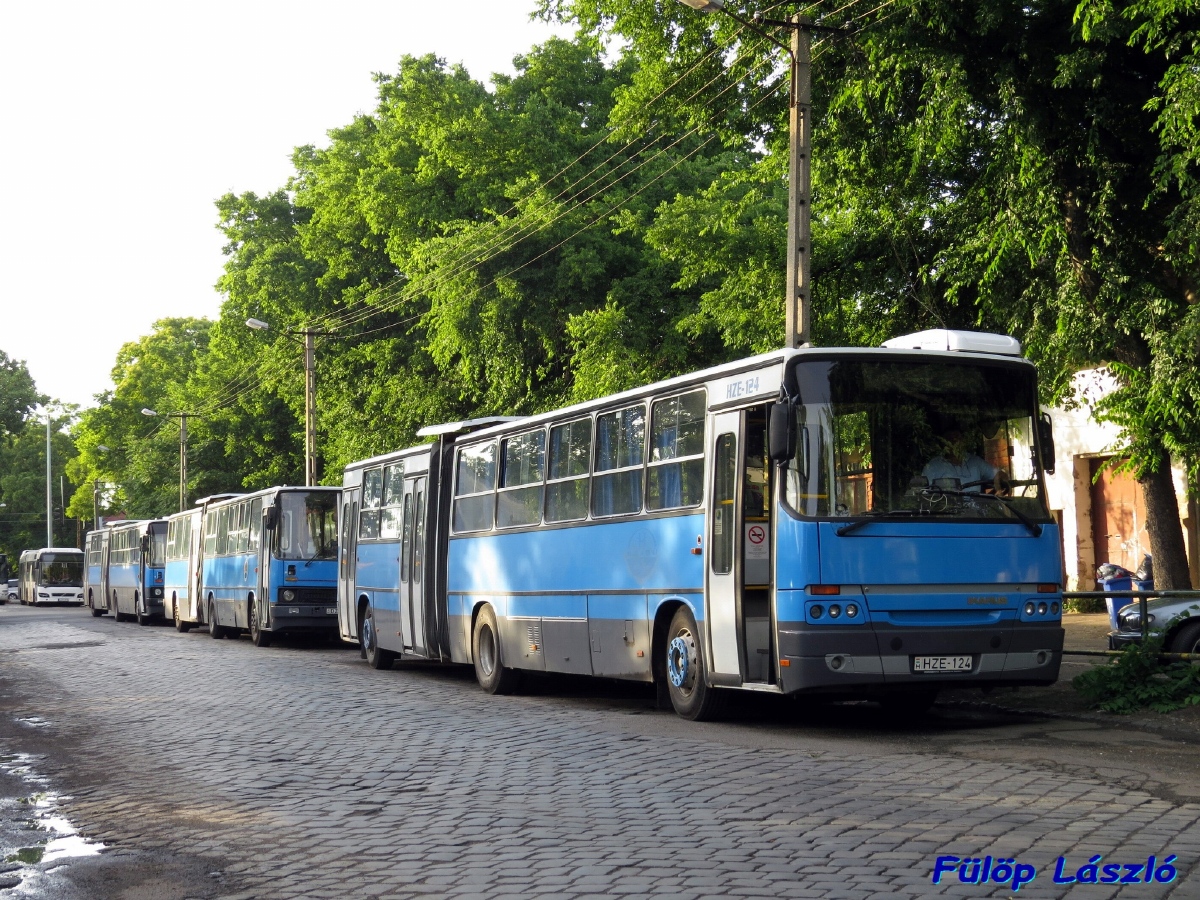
(782, 524)
(95, 590)
(269, 563)
(134, 569)
(181, 575)
(51, 575)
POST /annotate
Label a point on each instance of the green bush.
(1084, 605)
(1139, 679)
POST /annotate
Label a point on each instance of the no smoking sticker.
(756, 541)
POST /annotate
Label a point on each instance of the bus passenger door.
(412, 607)
(346, 616)
(723, 572)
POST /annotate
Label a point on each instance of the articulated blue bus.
(852, 523)
(269, 563)
(133, 569)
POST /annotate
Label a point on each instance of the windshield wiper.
(874, 516)
(1034, 528)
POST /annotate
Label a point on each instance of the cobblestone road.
(302, 773)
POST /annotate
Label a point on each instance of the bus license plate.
(331, 610)
(941, 664)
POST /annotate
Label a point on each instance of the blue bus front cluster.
(855, 523)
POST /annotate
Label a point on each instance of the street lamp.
(799, 252)
(183, 417)
(310, 393)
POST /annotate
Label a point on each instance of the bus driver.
(958, 467)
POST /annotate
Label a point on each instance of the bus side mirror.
(271, 518)
(1046, 439)
(145, 543)
(781, 433)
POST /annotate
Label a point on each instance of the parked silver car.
(1176, 620)
(12, 591)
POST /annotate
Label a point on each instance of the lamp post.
(799, 240)
(183, 417)
(310, 392)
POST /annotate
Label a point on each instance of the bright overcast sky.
(124, 121)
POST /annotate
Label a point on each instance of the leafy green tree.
(23, 485)
(1025, 167)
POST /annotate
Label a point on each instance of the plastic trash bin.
(1116, 604)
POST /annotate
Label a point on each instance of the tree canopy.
(615, 212)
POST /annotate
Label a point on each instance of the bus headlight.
(289, 595)
(817, 611)
(835, 611)
(1042, 607)
(1054, 609)
(851, 610)
(1030, 608)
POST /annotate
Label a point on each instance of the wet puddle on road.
(36, 837)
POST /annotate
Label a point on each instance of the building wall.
(1079, 440)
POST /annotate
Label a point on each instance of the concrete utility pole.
(799, 258)
(799, 241)
(49, 489)
(310, 393)
(183, 442)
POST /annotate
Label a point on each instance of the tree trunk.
(1166, 531)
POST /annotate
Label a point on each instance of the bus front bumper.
(304, 617)
(854, 659)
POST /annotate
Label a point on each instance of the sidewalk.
(1084, 631)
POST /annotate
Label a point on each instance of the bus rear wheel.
(687, 682)
(377, 657)
(258, 637)
(118, 616)
(215, 631)
(493, 677)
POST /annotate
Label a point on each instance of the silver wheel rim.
(487, 650)
(681, 661)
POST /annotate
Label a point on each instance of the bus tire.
(377, 657)
(97, 613)
(258, 637)
(139, 612)
(215, 631)
(687, 681)
(118, 616)
(490, 671)
(181, 626)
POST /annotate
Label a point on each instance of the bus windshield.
(931, 438)
(307, 525)
(61, 570)
(158, 544)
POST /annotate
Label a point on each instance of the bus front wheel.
(181, 626)
(258, 637)
(490, 671)
(687, 683)
(143, 618)
(377, 657)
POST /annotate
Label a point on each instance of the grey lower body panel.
(880, 658)
(307, 619)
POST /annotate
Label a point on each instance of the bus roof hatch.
(964, 341)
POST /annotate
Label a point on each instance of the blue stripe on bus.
(628, 555)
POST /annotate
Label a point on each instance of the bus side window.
(255, 524)
(393, 497)
(620, 454)
(676, 469)
(419, 546)
(474, 486)
(372, 494)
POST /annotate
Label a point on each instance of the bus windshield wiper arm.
(1034, 528)
(873, 516)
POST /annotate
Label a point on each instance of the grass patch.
(1139, 679)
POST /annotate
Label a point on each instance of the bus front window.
(158, 545)
(927, 438)
(62, 571)
(307, 525)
